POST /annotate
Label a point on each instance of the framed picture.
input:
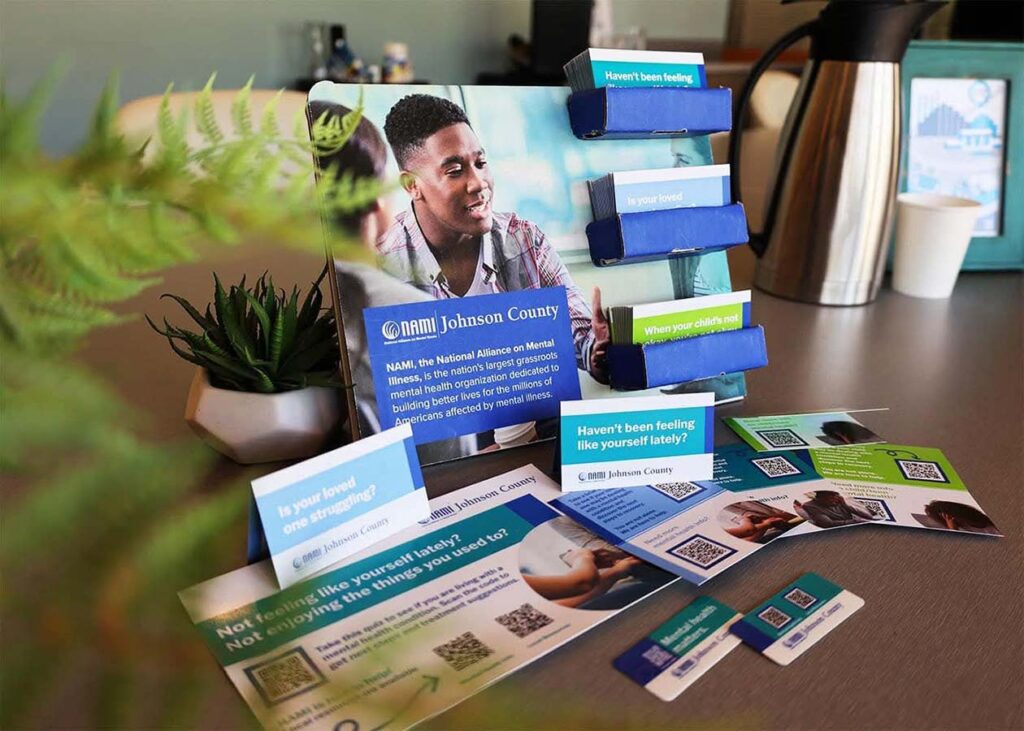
(963, 129)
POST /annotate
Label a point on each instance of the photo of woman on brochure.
(491, 198)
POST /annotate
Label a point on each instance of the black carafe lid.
(868, 30)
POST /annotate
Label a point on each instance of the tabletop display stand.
(623, 239)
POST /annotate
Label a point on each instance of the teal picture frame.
(979, 60)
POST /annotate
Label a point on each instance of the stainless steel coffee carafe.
(829, 213)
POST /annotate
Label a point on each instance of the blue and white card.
(631, 442)
(320, 511)
(795, 619)
(675, 655)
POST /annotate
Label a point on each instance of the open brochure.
(492, 580)
(697, 530)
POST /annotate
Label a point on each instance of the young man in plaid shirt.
(450, 243)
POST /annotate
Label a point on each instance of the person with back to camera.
(450, 242)
(358, 286)
(957, 516)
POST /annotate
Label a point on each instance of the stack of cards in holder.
(600, 67)
(636, 191)
(675, 319)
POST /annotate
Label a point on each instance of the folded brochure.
(699, 529)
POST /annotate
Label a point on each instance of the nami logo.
(419, 328)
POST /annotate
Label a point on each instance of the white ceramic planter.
(256, 427)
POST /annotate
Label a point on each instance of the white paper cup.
(932, 234)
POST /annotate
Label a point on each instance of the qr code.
(920, 470)
(658, 656)
(678, 491)
(463, 651)
(781, 438)
(878, 509)
(701, 551)
(800, 598)
(774, 617)
(285, 676)
(524, 621)
(774, 467)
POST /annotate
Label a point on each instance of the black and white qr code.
(916, 469)
(658, 656)
(285, 676)
(524, 621)
(463, 651)
(878, 509)
(800, 598)
(774, 617)
(778, 466)
(701, 551)
(781, 438)
(678, 491)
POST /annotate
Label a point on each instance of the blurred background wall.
(153, 42)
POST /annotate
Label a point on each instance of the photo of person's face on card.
(486, 193)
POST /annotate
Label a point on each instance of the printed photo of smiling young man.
(450, 243)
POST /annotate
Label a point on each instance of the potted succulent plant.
(267, 387)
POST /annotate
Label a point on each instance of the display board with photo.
(491, 197)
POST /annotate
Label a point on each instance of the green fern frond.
(241, 110)
(77, 235)
(268, 120)
(173, 151)
(103, 130)
(20, 122)
(205, 115)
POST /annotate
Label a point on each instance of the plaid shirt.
(516, 255)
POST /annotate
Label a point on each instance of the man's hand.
(602, 336)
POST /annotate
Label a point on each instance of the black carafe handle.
(758, 241)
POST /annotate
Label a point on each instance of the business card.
(802, 431)
(795, 619)
(675, 655)
(322, 510)
(630, 442)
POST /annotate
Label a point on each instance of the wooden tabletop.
(940, 641)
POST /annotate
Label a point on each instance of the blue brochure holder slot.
(632, 367)
(635, 237)
(639, 112)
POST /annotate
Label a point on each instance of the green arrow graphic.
(430, 683)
